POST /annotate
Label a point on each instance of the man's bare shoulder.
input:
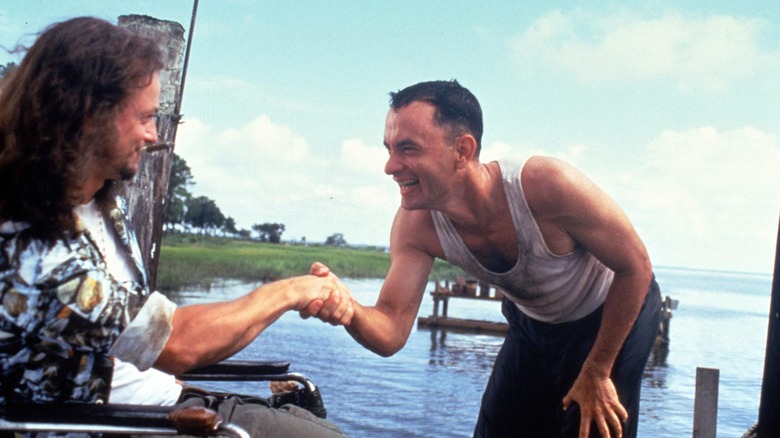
(538, 177)
(539, 169)
(414, 230)
(548, 184)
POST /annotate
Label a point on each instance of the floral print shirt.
(63, 316)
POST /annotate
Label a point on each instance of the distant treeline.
(189, 260)
(200, 214)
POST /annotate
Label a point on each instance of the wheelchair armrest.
(308, 397)
(241, 370)
(114, 418)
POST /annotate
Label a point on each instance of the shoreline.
(190, 260)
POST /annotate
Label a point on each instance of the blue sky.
(671, 107)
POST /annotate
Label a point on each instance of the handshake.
(324, 296)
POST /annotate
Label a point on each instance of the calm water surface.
(432, 387)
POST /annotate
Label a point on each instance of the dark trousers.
(539, 362)
(261, 421)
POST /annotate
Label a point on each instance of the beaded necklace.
(101, 244)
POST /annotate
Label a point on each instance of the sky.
(671, 107)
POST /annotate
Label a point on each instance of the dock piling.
(705, 409)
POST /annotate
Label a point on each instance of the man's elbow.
(389, 350)
(646, 270)
(638, 267)
(176, 359)
(385, 347)
(639, 274)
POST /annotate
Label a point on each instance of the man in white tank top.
(575, 270)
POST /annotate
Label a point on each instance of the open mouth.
(407, 185)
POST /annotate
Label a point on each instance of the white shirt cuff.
(143, 339)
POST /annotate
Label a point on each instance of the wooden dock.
(465, 289)
(471, 289)
(470, 325)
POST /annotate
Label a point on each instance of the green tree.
(336, 239)
(229, 227)
(203, 214)
(269, 232)
(178, 194)
(7, 69)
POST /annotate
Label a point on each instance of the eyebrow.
(405, 142)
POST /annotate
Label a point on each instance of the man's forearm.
(624, 301)
(208, 333)
(376, 331)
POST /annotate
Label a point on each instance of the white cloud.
(700, 198)
(706, 198)
(708, 52)
(499, 150)
(260, 150)
(359, 157)
(264, 172)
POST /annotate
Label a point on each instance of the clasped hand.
(338, 309)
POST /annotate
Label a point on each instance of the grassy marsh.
(188, 260)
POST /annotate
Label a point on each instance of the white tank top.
(547, 287)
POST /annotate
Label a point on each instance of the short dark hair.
(79, 70)
(456, 107)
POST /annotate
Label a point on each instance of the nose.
(392, 165)
(150, 132)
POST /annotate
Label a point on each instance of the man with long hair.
(74, 117)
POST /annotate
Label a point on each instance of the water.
(432, 387)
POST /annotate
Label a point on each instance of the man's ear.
(465, 148)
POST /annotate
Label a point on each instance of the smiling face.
(118, 144)
(135, 127)
(421, 157)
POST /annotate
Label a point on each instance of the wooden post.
(705, 409)
(435, 316)
(768, 418)
(666, 316)
(484, 289)
(147, 192)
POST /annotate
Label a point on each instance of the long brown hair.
(80, 70)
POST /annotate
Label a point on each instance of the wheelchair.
(119, 419)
